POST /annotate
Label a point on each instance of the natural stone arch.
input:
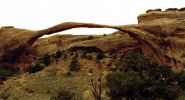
(137, 34)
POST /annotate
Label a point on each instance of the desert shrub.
(5, 72)
(135, 61)
(96, 88)
(36, 67)
(41, 63)
(140, 79)
(74, 64)
(122, 85)
(104, 34)
(64, 94)
(90, 37)
(46, 59)
(100, 56)
(58, 54)
(181, 79)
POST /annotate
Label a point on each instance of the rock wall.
(170, 13)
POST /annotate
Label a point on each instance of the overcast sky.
(39, 14)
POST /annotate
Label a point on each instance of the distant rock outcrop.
(170, 13)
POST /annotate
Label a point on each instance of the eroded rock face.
(168, 26)
(13, 44)
(170, 13)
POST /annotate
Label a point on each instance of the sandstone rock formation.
(70, 61)
(160, 34)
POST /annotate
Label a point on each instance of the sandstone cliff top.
(170, 13)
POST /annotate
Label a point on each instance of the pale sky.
(39, 14)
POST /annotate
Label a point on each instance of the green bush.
(41, 63)
(123, 85)
(129, 62)
(140, 79)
